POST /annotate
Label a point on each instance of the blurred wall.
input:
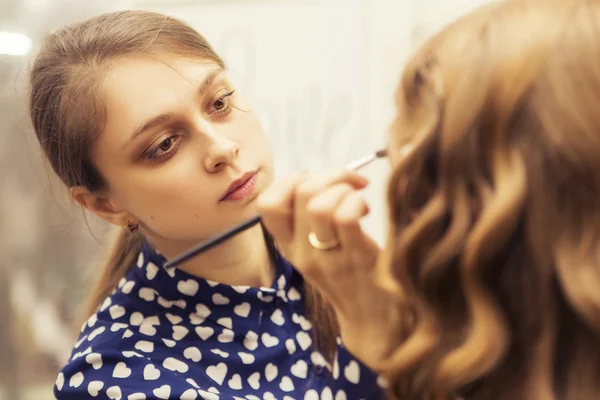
(321, 74)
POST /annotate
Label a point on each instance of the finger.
(276, 207)
(346, 220)
(321, 209)
(317, 183)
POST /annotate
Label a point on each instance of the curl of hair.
(494, 239)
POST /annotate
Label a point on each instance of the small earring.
(132, 228)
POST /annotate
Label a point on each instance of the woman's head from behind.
(138, 118)
(495, 222)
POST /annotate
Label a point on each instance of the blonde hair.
(68, 115)
(494, 239)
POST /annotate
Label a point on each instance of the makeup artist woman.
(137, 117)
(492, 253)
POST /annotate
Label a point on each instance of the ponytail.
(122, 254)
(319, 312)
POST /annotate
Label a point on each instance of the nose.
(222, 152)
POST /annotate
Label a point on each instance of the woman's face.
(178, 139)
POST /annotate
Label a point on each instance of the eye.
(222, 105)
(164, 149)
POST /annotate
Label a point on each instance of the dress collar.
(177, 291)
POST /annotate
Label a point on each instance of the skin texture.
(171, 178)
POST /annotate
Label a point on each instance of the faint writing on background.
(306, 127)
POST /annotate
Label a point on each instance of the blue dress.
(165, 334)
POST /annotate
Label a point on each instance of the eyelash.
(226, 100)
(152, 154)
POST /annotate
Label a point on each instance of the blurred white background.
(320, 73)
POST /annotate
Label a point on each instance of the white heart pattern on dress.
(174, 319)
(147, 294)
(136, 319)
(247, 358)
(220, 353)
(189, 394)
(195, 319)
(175, 365)
(269, 396)
(300, 369)
(277, 318)
(151, 271)
(326, 394)
(208, 395)
(217, 372)
(235, 382)
(130, 354)
(269, 340)
(352, 372)
(116, 311)
(96, 332)
(341, 395)
(189, 287)
(117, 326)
(290, 346)
(242, 310)
(148, 330)
(163, 392)
(169, 343)
(241, 289)
(76, 380)
(128, 287)
(60, 381)
(253, 380)
(192, 353)
(114, 393)
(204, 332)
(192, 382)
(151, 373)
(219, 299)
(294, 294)
(179, 332)
(95, 359)
(226, 336)
(226, 322)
(271, 372)
(136, 396)
(202, 310)
(304, 340)
(251, 341)
(121, 371)
(153, 320)
(286, 384)
(145, 346)
(106, 304)
(312, 394)
(94, 387)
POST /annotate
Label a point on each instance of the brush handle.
(213, 242)
(361, 162)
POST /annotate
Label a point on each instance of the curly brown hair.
(494, 243)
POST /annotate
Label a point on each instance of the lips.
(241, 187)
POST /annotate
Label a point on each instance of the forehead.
(139, 82)
(136, 89)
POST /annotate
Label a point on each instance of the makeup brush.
(221, 237)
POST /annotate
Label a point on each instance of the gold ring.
(317, 244)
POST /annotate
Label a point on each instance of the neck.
(241, 260)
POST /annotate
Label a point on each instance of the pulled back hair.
(494, 243)
(68, 114)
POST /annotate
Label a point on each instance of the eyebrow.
(164, 118)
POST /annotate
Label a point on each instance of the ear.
(101, 205)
